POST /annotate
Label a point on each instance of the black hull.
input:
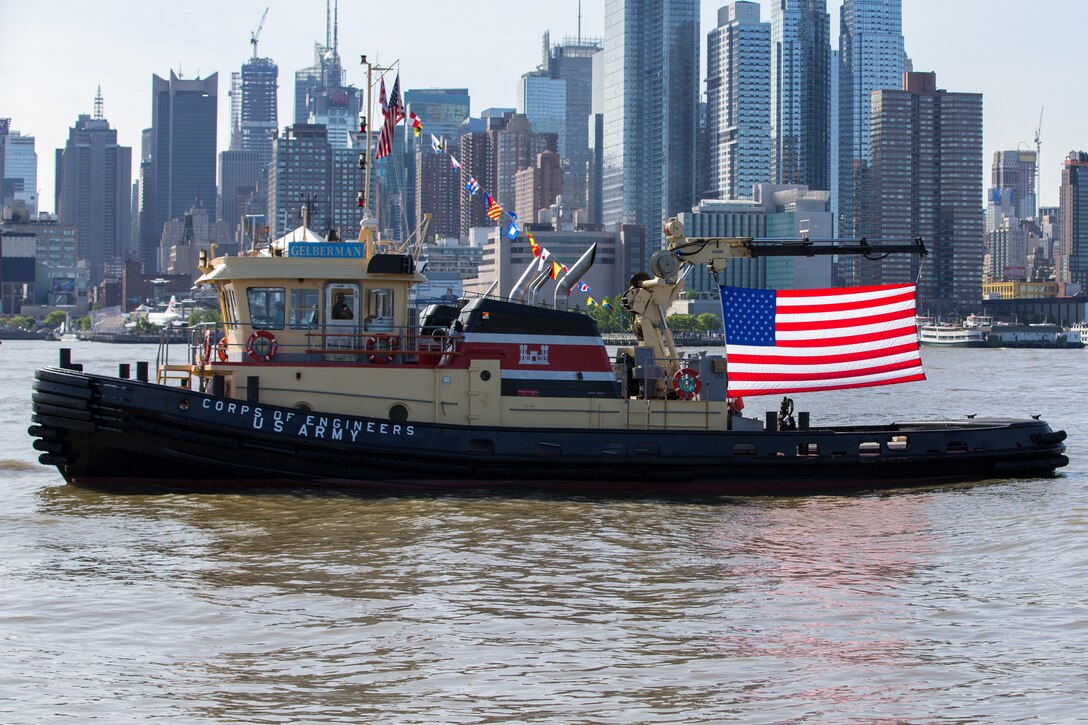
(108, 432)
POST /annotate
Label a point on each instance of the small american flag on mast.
(800, 341)
(394, 114)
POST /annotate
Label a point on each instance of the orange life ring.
(221, 350)
(261, 346)
(381, 348)
(686, 383)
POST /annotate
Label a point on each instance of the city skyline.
(958, 41)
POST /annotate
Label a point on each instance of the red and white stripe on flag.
(798, 341)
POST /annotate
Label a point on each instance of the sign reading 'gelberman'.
(339, 250)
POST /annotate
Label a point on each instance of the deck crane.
(257, 33)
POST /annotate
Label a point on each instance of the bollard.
(772, 421)
(66, 358)
(123, 370)
(802, 420)
(141, 371)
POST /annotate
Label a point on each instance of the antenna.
(257, 33)
(98, 104)
(328, 25)
(579, 22)
(335, 25)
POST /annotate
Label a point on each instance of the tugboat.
(325, 377)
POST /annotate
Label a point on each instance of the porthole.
(398, 413)
(485, 375)
(302, 405)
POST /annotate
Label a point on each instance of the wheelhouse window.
(266, 307)
(230, 307)
(379, 309)
(304, 308)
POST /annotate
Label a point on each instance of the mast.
(367, 225)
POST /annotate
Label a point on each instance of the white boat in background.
(949, 335)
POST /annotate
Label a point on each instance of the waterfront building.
(800, 93)
(926, 181)
(774, 211)
(93, 190)
(181, 159)
(18, 168)
(183, 239)
(649, 98)
(504, 261)
(1071, 256)
(738, 121)
(871, 56)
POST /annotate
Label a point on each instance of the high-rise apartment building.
(926, 181)
(94, 190)
(801, 93)
(649, 89)
(871, 57)
(1071, 256)
(298, 177)
(182, 157)
(434, 184)
(517, 146)
(1015, 171)
(738, 92)
(538, 186)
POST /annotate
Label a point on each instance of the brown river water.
(962, 603)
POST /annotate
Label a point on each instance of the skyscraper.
(650, 102)
(801, 93)
(738, 92)
(572, 62)
(926, 181)
(93, 190)
(20, 167)
(254, 108)
(300, 175)
(871, 57)
(1071, 257)
(182, 158)
(543, 100)
(1015, 171)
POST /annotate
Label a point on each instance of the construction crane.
(257, 33)
(1038, 157)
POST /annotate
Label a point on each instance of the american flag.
(394, 114)
(798, 341)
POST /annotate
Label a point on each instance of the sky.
(56, 53)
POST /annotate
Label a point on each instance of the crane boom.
(256, 34)
(647, 298)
